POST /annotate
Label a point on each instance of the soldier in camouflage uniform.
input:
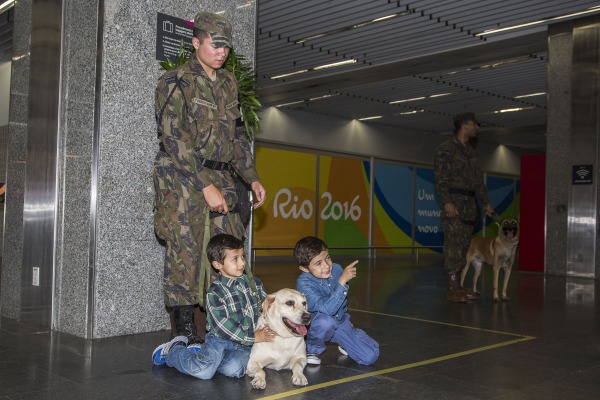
(196, 109)
(459, 184)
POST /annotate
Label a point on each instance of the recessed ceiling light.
(6, 5)
(368, 118)
(324, 66)
(539, 22)
(352, 27)
(407, 100)
(529, 95)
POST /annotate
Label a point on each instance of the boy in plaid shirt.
(232, 308)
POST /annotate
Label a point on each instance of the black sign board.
(583, 174)
(169, 33)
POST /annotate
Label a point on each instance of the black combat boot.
(455, 293)
(184, 323)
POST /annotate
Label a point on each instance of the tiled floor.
(543, 344)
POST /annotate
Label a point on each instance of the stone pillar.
(108, 266)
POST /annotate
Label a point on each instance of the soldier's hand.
(489, 210)
(450, 210)
(215, 200)
(259, 193)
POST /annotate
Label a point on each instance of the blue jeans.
(324, 328)
(216, 355)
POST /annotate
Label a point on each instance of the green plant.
(244, 74)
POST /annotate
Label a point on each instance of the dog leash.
(495, 217)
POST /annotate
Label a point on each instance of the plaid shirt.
(233, 310)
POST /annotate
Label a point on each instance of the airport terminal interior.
(356, 96)
(543, 344)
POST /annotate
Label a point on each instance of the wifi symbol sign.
(582, 174)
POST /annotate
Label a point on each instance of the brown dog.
(499, 252)
(286, 313)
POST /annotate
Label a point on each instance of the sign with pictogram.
(170, 31)
(583, 174)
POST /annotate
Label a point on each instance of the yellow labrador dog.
(286, 313)
(498, 252)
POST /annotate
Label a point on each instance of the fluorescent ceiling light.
(431, 96)
(486, 66)
(512, 110)
(538, 22)
(410, 112)
(407, 100)
(367, 118)
(324, 66)
(335, 64)
(352, 27)
(322, 97)
(244, 5)
(529, 95)
(440, 95)
(289, 74)
(289, 104)
(6, 5)
(306, 101)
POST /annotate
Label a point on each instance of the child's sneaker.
(195, 347)
(312, 358)
(159, 355)
(344, 352)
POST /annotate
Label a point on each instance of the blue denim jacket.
(326, 296)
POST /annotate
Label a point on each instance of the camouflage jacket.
(455, 167)
(196, 120)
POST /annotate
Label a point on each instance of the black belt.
(464, 192)
(210, 164)
(214, 165)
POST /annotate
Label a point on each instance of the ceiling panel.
(426, 49)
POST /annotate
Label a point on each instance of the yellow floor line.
(441, 323)
(522, 338)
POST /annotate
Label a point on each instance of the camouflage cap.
(216, 26)
(468, 116)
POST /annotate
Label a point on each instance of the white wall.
(4, 92)
(315, 131)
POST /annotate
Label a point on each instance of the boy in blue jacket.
(325, 285)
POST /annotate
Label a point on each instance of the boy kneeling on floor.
(325, 286)
(232, 307)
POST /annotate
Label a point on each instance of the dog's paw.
(259, 383)
(299, 380)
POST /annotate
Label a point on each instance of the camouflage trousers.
(182, 223)
(457, 234)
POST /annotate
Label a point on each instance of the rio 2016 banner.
(392, 207)
(338, 211)
(343, 203)
(329, 197)
(428, 224)
(288, 214)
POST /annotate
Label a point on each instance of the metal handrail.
(371, 248)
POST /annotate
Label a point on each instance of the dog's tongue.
(301, 329)
(509, 235)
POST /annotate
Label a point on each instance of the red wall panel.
(532, 217)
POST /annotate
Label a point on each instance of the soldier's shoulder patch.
(175, 79)
(170, 79)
